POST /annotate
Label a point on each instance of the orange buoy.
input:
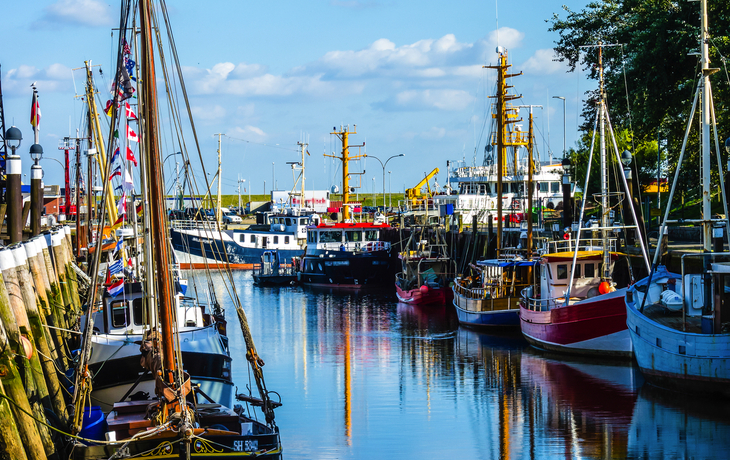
(604, 287)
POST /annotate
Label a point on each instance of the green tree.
(651, 79)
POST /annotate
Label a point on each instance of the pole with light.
(390, 191)
(383, 165)
(14, 137)
(626, 159)
(564, 131)
(36, 189)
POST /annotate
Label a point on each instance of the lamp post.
(14, 137)
(564, 131)
(383, 165)
(567, 204)
(390, 191)
(36, 189)
(626, 159)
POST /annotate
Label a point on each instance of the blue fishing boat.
(679, 321)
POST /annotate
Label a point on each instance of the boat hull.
(345, 269)
(434, 296)
(499, 312)
(195, 248)
(702, 364)
(595, 327)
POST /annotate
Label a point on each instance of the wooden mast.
(157, 204)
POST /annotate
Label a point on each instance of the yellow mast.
(505, 114)
(343, 134)
(111, 207)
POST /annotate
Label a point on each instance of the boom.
(414, 193)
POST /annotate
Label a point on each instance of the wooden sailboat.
(182, 421)
(678, 321)
(576, 308)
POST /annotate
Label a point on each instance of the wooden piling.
(12, 386)
(40, 334)
(35, 381)
(68, 257)
(59, 266)
(11, 446)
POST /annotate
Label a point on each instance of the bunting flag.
(125, 90)
(108, 108)
(130, 113)
(117, 267)
(131, 135)
(128, 183)
(117, 172)
(116, 288)
(118, 188)
(119, 245)
(108, 277)
(126, 49)
(130, 156)
(122, 205)
(35, 111)
(115, 154)
(129, 65)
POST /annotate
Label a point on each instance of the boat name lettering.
(199, 240)
(337, 263)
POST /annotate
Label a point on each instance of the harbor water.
(362, 376)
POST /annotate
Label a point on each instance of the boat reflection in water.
(672, 425)
(366, 377)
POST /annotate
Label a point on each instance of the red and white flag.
(35, 111)
(130, 113)
(131, 135)
(130, 156)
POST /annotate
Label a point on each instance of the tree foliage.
(651, 79)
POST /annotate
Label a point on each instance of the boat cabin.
(555, 270)
(350, 237)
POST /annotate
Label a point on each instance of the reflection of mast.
(348, 382)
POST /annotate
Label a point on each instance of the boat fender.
(424, 289)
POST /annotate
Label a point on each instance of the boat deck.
(673, 320)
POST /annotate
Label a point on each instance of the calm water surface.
(362, 376)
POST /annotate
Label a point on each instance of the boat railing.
(530, 302)
(488, 290)
(192, 225)
(268, 269)
(585, 244)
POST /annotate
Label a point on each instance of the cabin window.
(562, 272)
(505, 187)
(590, 271)
(482, 189)
(371, 235)
(286, 239)
(311, 237)
(544, 187)
(554, 187)
(276, 239)
(137, 313)
(514, 187)
(119, 313)
(330, 236)
(288, 221)
(577, 271)
(253, 239)
(353, 236)
(242, 238)
(302, 221)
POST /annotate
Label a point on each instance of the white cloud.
(441, 99)
(249, 132)
(209, 113)
(56, 77)
(506, 37)
(434, 133)
(544, 62)
(77, 12)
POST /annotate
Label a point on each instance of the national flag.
(118, 188)
(116, 134)
(130, 113)
(126, 49)
(117, 172)
(128, 183)
(115, 154)
(119, 245)
(116, 288)
(125, 90)
(130, 156)
(116, 267)
(118, 222)
(108, 277)
(131, 135)
(139, 209)
(35, 111)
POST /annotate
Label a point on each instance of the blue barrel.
(94, 424)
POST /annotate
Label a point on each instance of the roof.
(349, 225)
(507, 263)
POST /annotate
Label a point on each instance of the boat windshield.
(371, 235)
(330, 236)
(353, 236)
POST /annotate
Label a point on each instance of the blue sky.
(407, 73)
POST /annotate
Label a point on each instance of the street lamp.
(564, 131)
(14, 197)
(383, 165)
(390, 191)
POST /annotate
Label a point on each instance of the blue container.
(94, 424)
(446, 210)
